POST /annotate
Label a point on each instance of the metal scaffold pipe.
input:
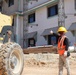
(61, 13)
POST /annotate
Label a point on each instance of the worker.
(63, 44)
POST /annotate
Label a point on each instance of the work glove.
(66, 54)
(51, 32)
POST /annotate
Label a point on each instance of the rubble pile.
(53, 59)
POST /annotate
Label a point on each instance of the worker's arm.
(66, 43)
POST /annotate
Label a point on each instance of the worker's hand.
(65, 54)
(51, 32)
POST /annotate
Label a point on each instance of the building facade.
(43, 17)
(14, 8)
(34, 19)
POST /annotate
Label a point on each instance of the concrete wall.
(70, 11)
(18, 6)
(43, 23)
(35, 3)
(9, 10)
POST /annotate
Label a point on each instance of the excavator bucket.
(5, 20)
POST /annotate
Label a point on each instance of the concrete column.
(61, 13)
(17, 29)
(20, 5)
(21, 31)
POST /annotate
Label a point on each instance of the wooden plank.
(52, 49)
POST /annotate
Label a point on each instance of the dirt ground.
(32, 67)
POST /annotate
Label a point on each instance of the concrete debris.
(47, 60)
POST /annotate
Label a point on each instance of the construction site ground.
(35, 67)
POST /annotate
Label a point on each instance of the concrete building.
(14, 8)
(34, 19)
(43, 17)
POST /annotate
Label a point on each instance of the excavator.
(11, 53)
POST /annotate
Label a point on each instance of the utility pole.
(61, 13)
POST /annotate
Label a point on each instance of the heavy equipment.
(11, 53)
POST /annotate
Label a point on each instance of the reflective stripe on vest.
(61, 46)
